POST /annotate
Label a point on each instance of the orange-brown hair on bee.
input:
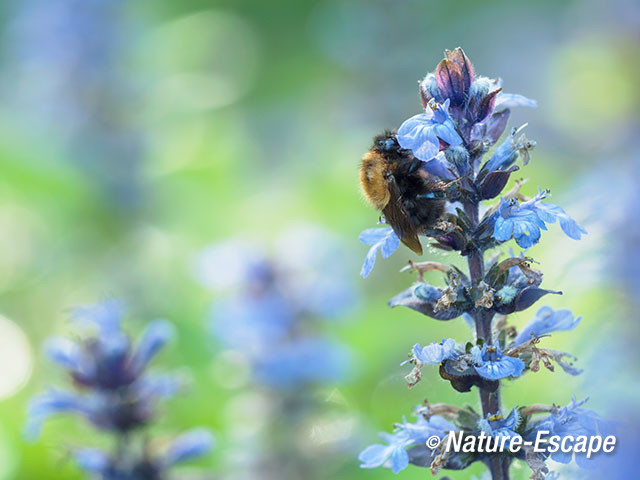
(392, 181)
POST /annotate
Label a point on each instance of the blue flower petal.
(511, 100)
(383, 239)
(546, 321)
(435, 353)
(66, 353)
(374, 455)
(371, 236)
(447, 132)
(496, 365)
(106, 315)
(55, 401)
(192, 444)
(155, 336)
(526, 220)
(399, 460)
(427, 145)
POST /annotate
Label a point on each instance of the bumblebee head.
(386, 143)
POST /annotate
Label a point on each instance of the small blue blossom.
(524, 221)
(515, 221)
(546, 321)
(383, 239)
(507, 153)
(498, 426)
(423, 428)
(422, 133)
(575, 421)
(435, 353)
(492, 364)
(394, 454)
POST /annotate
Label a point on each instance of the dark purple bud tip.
(451, 83)
(460, 59)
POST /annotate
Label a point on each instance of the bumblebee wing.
(397, 217)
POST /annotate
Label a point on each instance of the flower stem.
(490, 401)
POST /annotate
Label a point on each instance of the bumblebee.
(393, 181)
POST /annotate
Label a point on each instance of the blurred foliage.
(249, 116)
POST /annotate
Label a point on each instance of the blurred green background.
(134, 134)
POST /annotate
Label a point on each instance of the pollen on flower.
(506, 294)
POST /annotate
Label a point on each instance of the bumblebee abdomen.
(425, 212)
(373, 180)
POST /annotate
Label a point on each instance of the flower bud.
(429, 89)
(479, 89)
(459, 158)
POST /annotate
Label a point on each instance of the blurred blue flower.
(422, 133)
(435, 353)
(383, 239)
(119, 395)
(492, 364)
(107, 359)
(113, 392)
(547, 320)
(252, 320)
(66, 63)
(301, 361)
(524, 221)
(269, 317)
(151, 465)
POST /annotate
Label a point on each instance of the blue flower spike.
(456, 149)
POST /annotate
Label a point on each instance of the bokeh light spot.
(15, 357)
